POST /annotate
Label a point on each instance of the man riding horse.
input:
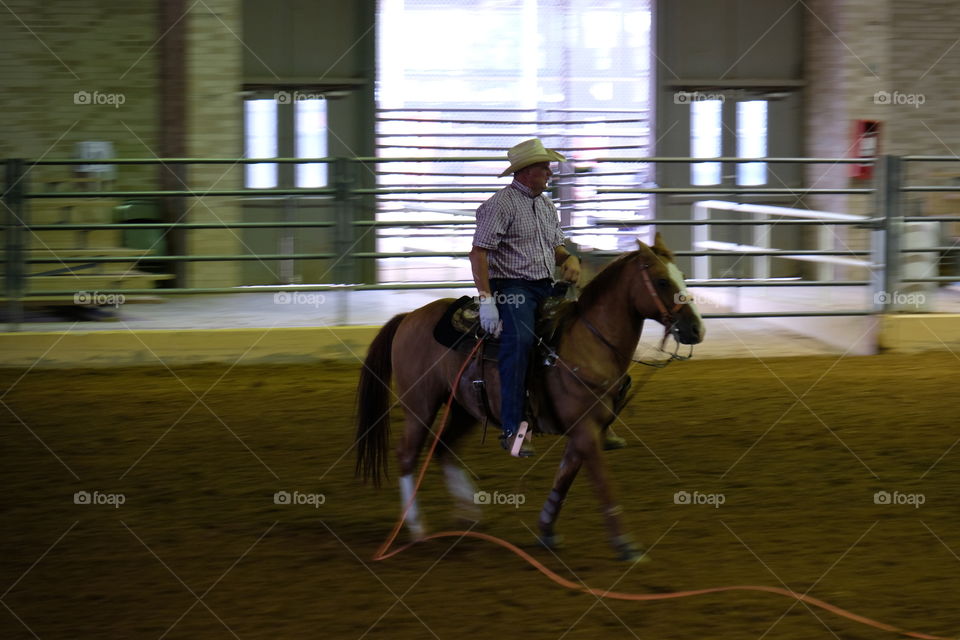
(517, 243)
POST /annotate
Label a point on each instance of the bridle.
(668, 319)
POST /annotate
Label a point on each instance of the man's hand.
(489, 316)
(570, 269)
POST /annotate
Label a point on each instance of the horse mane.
(605, 279)
(614, 270)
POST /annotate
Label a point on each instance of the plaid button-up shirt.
(520, 232)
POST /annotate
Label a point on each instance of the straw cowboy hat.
(527, 153)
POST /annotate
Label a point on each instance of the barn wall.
(737, 50)
(76, 70)
(892, 62)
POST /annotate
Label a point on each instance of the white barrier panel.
(917, 296)
(761, 236)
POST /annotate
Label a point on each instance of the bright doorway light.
(260, 141)
(706, 140)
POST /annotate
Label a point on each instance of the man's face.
(536, 176)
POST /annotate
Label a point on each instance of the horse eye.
(663, 282)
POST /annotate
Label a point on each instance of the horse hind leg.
(418, 417)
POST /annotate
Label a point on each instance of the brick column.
(215, 126)
(848, 56)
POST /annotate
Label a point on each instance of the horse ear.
(658, 242)
(640, 245)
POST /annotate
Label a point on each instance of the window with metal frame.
(286, 124)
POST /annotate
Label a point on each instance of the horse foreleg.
(589, 446)
(569, 466)
(459, 483)
(463, 490)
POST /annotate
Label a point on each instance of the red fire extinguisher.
(866, 144)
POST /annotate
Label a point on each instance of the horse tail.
(373, 406)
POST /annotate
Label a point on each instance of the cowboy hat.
(527, 153)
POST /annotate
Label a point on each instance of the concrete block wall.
(888, 61)
(925, 64)
(881, 60)
(215, 125)
(923, 115)
(848, 48)
(827, 122)
(76, 70)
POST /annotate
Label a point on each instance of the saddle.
(459, 327)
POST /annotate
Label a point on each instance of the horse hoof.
(612, 442)
(552, 541)
(627, 551)
(467, 517)
(634, 555)
(417, 533)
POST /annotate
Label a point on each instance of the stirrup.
(514, 443)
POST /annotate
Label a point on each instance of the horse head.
(660, 293)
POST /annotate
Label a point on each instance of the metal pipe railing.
(167, 161)
(345, 195)
(405, 254)
(415, 286)
(198, 258)
(177, 225)
(922, 158)
(185, 193)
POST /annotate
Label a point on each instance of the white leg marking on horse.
(459, 484)
(413, 513)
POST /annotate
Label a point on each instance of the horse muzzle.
(689, 331)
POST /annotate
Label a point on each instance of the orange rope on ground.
(384, 553)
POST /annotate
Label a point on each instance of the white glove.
(489, 316)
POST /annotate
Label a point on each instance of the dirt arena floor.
(796, 450)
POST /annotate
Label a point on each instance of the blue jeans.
(517, 302)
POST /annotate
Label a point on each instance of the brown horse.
(579, 393)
